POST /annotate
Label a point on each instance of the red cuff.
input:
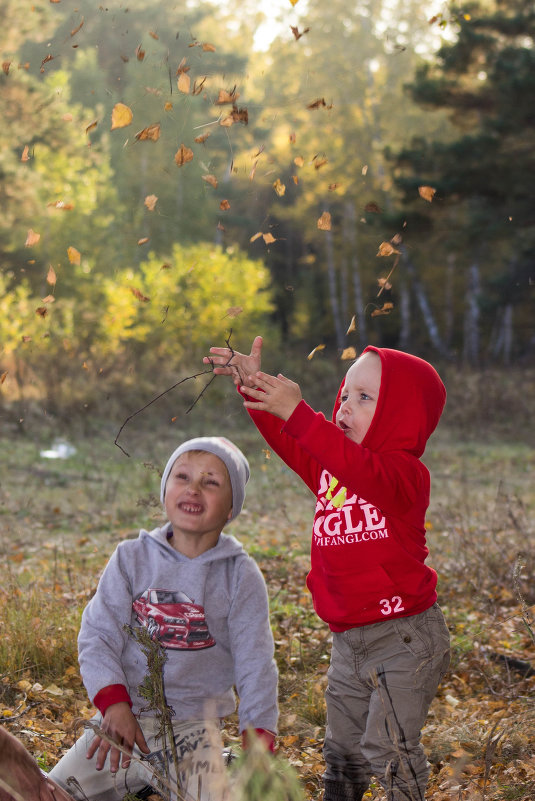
(265, 736)
(112, 694)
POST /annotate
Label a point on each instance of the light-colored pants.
(381, 681)
(202, 776)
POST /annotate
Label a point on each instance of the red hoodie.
(368, 541)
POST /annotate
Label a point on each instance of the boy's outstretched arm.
(275, 394)
(228, 361)
(120, 724)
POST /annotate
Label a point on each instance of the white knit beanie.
(234, 460)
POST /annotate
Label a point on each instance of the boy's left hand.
(276, 394)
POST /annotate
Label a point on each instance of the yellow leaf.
(226, 97)
(184, 83)
(294, 2)
(150, 202)
(74, 255)
(208, 48)
(25, 154)
(210, 179)
(352, 325)
(53, 689)
(152, 132)
(32, 238)
(324, 222)
(299, 161)
(49, 299)
(312, 352)
(268, 239)
(256, 236)
(91, 126)
(183, 155)
(279, 187)
(168, 106)
(427, 192)
(386, 249)
(121, 116)
(224, 205)
(385, 309)
(51, 277)
(348, 353)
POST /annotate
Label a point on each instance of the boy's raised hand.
(276, 394)
(120, 724)
(227, 361)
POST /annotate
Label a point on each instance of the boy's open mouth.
(343, 426)
(190, 508)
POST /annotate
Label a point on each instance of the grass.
(60, 520)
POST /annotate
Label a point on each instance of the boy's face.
(198, 498)
(359, 396)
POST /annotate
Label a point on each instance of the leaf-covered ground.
(59, 522)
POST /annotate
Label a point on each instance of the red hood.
(411, 400)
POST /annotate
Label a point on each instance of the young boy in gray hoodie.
(198, 593)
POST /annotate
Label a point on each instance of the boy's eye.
(364, 396)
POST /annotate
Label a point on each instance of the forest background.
(180, 175)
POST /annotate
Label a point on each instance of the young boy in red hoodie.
(368, 576)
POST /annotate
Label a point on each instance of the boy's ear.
(229, 514)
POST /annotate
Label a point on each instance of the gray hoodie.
(211, 615)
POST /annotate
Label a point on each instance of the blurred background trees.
(283, 181)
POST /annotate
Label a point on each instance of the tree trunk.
(404, 313)
(350, 236)
(471, 316)
(424, 305)
(333, 290)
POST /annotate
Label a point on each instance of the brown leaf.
(324, 222)
(234, 311)
(184, 83)
(348, 353)
(256, 236)
(279, 187)
(91, 126)
(139, 295)
(208, 48)
(183, 155)
(61, 205)
(373, 208)
(319, 162)
(269, 239)
(74, 255)
(210, 179)
(25, 154)
(75, 30)
(312, 352)
(143, 240)
(427, 192)
(42, 311)
(5, 66)
(236, 115)
(51, 276)
(202, 138)
(385, 309)
(49, 299)
(319, 103)
(224, 205)
(386, 249)
(140, 53)
(150, 202)
(384, 283)
(32, 238)
(352, 325)
(45, 61)
(226, 97)
(154, 35)
(3, 377)
(168, 106)
(299, 161)
(332, 187)
(152, 132)
(198, 85)
(296, 33)
(121, 116)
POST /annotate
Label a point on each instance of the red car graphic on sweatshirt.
(172, 618)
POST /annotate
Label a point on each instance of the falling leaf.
(61, 205)
(198, 85)
(236, 115)
(45, 61)
(202, 138)
(386, 249)
(292, 138)
(74, 255)
(234, 311)
(294, 2)
(150, 202)
(183, 155)
(319, 162)
(49, 299)
(210, 179)
(91, 126)
(332, 187)
(208, 48)
(373, 208)
(154, 35)
(427, 192)
(143, 240)
(224, 205)
(5, 66)
(397, 239)
(348, 353)
(140, 53)
(168, 106)
(295, 179)
(152, 133)
(296, 33)
(269, 239)
(364, 169)
(25, 154)
(121, 116)
(75, 30)
(32, 238)
(253, 171)
(3, 377)
(324, 222)
(279, 187)
(319, 103)
(42, 311)
(312, 352)
(299, 161)
(51, 276)
(352, 325)
(139, 295)
(256, 236)
(184, 83)
(385, 309)
(226, 97)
